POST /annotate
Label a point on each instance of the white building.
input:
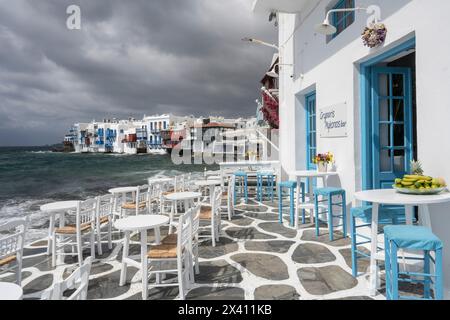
(383, 106)
(154, 125)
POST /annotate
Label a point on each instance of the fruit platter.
(418, 184)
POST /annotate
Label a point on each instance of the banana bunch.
(419, 182)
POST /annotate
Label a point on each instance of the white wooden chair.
(172, 239)
(73, 235)
(141, 201)
(11, 246)
(228, 196)
(179, 253)
(78, 281)
(104, 219)
(213, 215)
(178, 184)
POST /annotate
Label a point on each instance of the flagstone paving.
(256, 258)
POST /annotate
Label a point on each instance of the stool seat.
(328, 191)
(413, 237)
(240, 174)
(288, 184)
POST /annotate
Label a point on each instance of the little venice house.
(375, 107)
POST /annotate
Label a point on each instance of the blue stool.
(260, 176)
(413, 238)
(241, 178)
(329, 194)
(290, 185)
(364, 214)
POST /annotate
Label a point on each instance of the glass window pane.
(398, 109)
(385, 136)
(399, 135)
(383, 85)
(399, 161)
(385, 161)
(384, 109)
(397, 85)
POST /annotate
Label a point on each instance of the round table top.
(183, 196)
(391, 196)
(160, 180)
(123, 190)
(59, 206)
(10, 291)
(203, 183)
(141, 222)
(312, 173)
(214, 178)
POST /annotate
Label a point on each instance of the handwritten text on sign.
(333, 121)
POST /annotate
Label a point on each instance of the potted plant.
(375, 35)
(252, 155)
(322, 161)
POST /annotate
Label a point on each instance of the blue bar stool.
(413, 238)
(241, 180)
(290, 185)
(330, 194)
(364, 214)
(270, 178)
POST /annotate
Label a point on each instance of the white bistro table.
(122, 190)
(53, 209)
(140, 223)
(309, 175)
(209, 183)
(10, 291)
(392, 197)
(174, 198)
(160, 180)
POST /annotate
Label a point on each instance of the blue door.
(311, 132)
(392, 145)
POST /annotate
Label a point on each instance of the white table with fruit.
(414, 190)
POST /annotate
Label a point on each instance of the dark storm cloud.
(130, 58)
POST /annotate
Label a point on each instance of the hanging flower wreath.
(270, 112)
(375, 35)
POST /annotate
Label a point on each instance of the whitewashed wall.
(332, 70)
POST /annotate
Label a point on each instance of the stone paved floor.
(257, 258)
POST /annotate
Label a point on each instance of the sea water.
(31, 177)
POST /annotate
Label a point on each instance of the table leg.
(424, 216)
(158, 241)
(373, 250)
(171, 215)
(311, 197)
(144, 264)
(297, 197)
(50, 231)
(123, 271)
(409, 214)
(211, 194)
(62, 223)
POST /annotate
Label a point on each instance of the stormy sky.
(130, 58)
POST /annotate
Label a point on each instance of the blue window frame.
(342, 20)
(311, 131)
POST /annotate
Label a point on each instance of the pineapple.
(416, 168)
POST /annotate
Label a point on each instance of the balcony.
(283, 6)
